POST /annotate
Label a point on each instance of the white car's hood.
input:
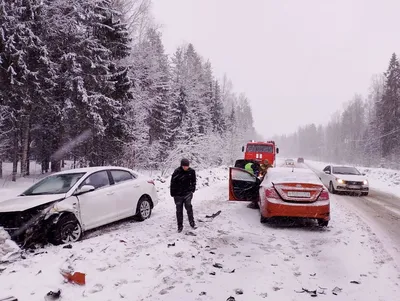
(22, 203)
(357, 178)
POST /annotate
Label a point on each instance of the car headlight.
(365, 182)
(340, 181)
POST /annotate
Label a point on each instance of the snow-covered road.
(231, 253)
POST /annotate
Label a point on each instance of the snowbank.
(380, 179)
(8, 248)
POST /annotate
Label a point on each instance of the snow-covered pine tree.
(25, 71)
(217, 110)
(390, 110)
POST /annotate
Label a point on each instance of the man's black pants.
(186, 201)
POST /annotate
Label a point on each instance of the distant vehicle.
(300, 160)
(289, 162)
(283, 192)
(345, 179)
(64, 205)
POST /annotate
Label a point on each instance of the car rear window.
(121, 176)
(285, 175)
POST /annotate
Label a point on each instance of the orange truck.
(257, 152)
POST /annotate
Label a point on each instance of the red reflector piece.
(151, 182)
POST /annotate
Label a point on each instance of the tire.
(323, 223)
(263, 219)
(331, 188)
(364, 193)
(66, 230)
(143, 210)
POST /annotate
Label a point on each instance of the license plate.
(354, 186)
(299, 194)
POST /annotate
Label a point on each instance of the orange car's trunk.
(298, 192)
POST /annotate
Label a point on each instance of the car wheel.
(323, 223)
(331, 188)
(364, 194)
(66, 230)
(143, 208)
(263, 219)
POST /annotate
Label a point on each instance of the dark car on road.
(300, 160)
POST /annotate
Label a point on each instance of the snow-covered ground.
(231, 254)
(381, 179)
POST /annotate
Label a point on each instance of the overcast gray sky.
(298, 61)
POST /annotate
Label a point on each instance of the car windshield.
(259, 148)
(55, 184)
(344, 170)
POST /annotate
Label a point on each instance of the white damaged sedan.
(62, 206)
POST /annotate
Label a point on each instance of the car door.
(128, 190)
(98, 207)
(243, 186)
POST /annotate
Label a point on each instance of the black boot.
(193, 225)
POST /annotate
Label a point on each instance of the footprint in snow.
(96, 289)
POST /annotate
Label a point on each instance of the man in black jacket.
(183, 185)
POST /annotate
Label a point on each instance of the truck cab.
(259, 151)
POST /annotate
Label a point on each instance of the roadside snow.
(232, 253)
(8, 248)
(380, 179)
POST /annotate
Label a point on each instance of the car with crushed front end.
(348, 179)
(62, 206)
(283, 192)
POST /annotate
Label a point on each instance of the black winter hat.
(184, 162)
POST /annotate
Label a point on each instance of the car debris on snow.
(212, 273)
(217, 265)
(336, 290)
(11, 298)
(231, 299)
(214, 215)
(355, 282)
(50, 296)
(67, 246)
(202, 294)
(312, 293)
(239, 291)
(77, 277)
(171, 245)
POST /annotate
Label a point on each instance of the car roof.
(347, 166)
(290, 175)
(91, 169)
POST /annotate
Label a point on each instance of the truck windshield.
(259, 148)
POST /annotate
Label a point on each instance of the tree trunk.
(1, 169)
(28, 161)
(25, 145)
(55, 166)
(15, 157)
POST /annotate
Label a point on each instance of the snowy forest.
(366, 132)
(90, 82)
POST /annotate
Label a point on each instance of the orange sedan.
(283, 192)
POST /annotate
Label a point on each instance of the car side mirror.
(327, 172)
(364, 174)
(85, 189)
(277, 150)
(242, 149)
